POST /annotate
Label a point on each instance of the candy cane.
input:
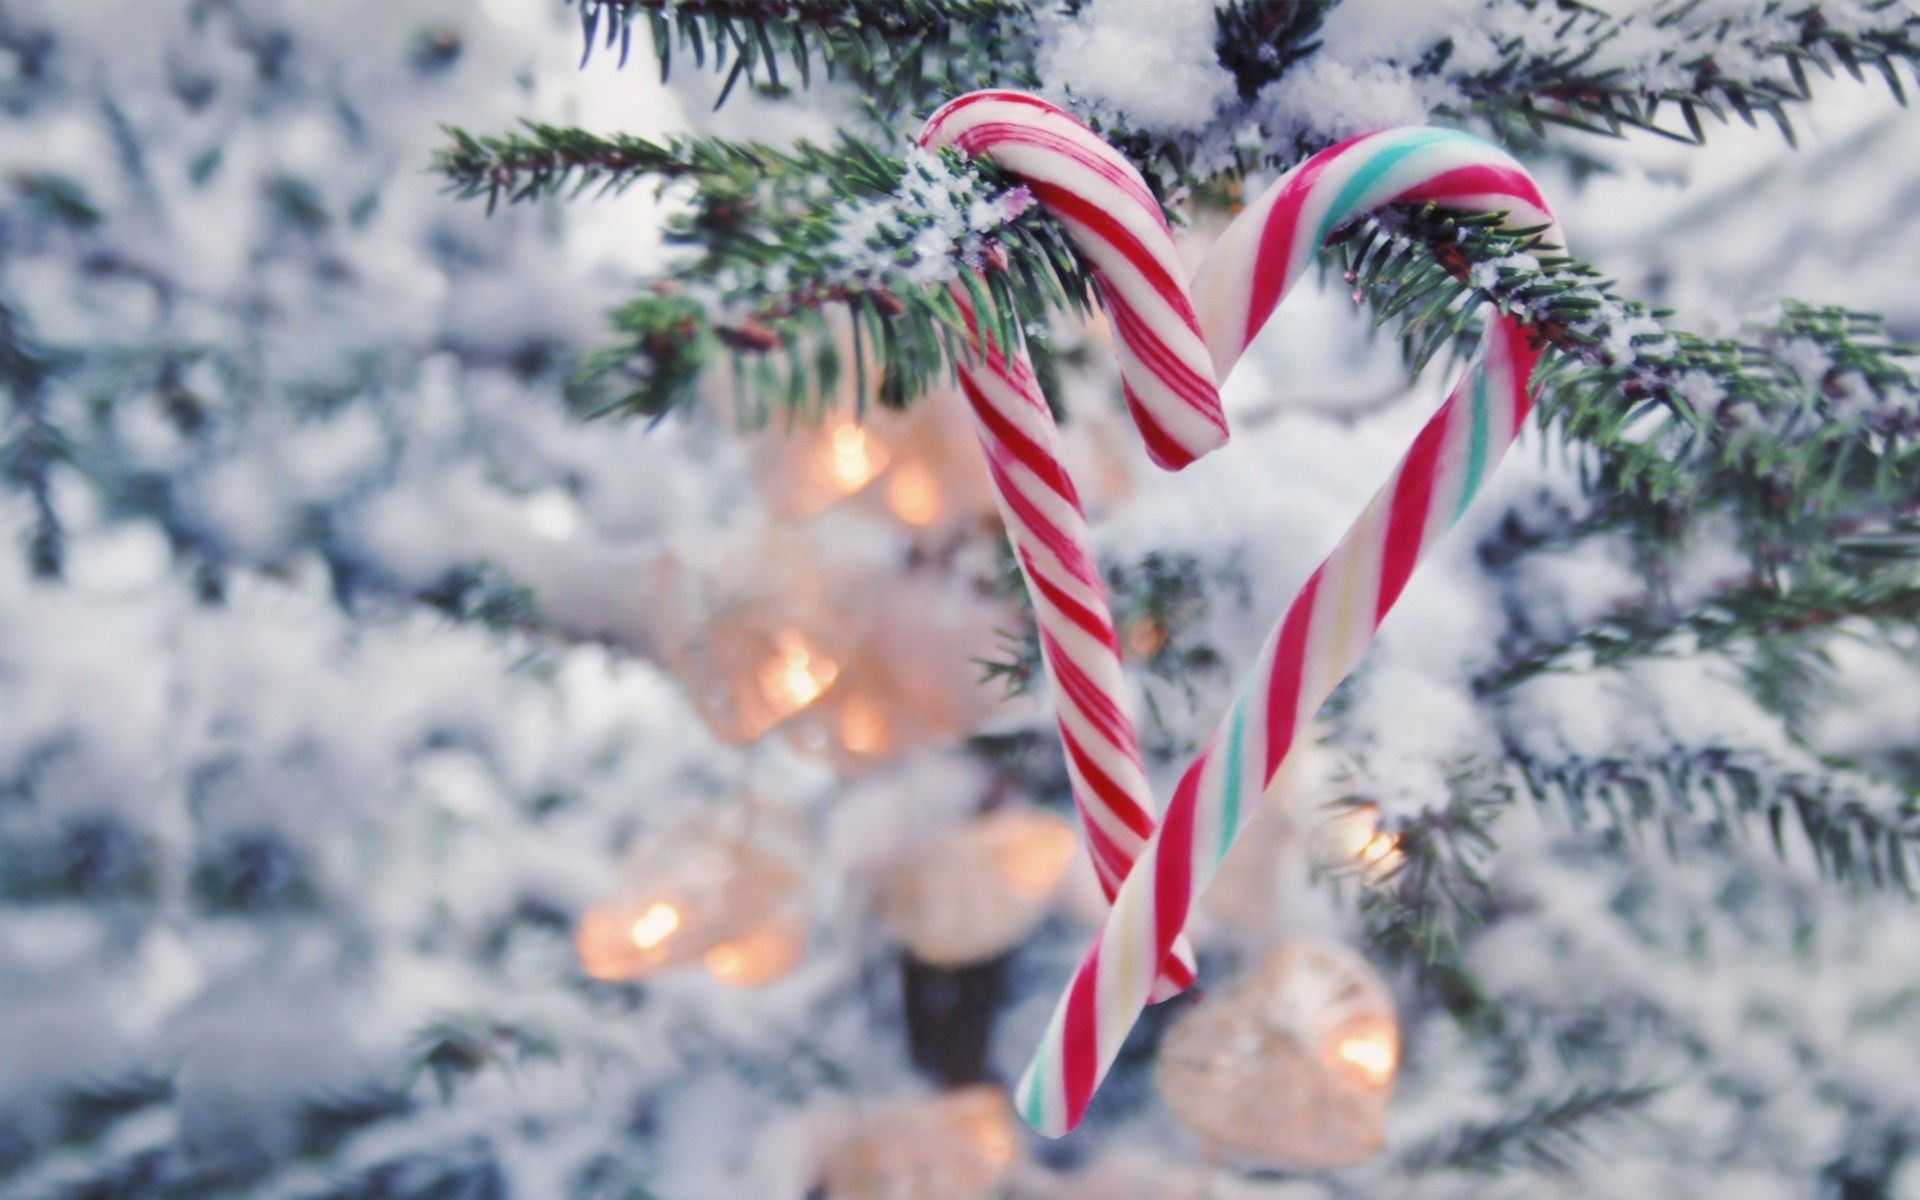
(1333, 619)
(1168, 381)
(1115, 221)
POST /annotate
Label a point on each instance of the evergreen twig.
(1862, 832)
(1740, 615)
(1808, 424)
(898, 51)
(31, 445)
(1746, 66)
(779, 237)
(1436, 893)
(1543, 1136)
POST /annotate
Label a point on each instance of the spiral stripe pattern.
(1331, 622)
(1117, 225)
(1081, 651)
(1168, 381)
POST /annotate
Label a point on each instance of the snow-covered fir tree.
(417, 439)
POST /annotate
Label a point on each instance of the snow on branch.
(776, 238)
(1606, 73)
(896, 49)
(1809, 420)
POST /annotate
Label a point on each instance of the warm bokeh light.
(723, 889)
(1370, 1054)
(957, 1145)
(795, 676)
(748, 629)
(655, 925)
(605, 951)
(984, 1114)
(768, 952)
(1293, 1065)
(913, 494)
(853, 458)
(1033, 854)
(1356, 838)
(862, 727)
(615, 944)
(977, 890)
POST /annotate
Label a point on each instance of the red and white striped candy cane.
(1168, 381)
(1333, 619)
(1106, 208)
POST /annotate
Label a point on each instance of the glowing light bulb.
(914, 494)
(852, 457)
(761, 955)
(1357, 838)
(655, 925)
(1381, 854)
(1374, 1054)
(795, 676)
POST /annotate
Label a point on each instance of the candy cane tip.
(1029, 1101)
(1050, 1124)
(1173, 456)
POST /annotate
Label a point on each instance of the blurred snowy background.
(334, 652)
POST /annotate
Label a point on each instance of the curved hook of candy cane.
(1069, 169)
(1331, 622)
(1103, 203)
(1266, 248)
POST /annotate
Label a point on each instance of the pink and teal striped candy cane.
(1168, 380)
(1332, 620)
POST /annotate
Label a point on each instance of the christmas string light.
(1292, 1068)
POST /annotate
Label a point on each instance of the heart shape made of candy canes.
(1173, 343)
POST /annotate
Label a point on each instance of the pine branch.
(905, 56)
(1599, 75)
(92, 1107)
(1665, 69)
(768, 266)
(482, 592)
(328, 1121)
(550, 160)
(1545, 1136)
(152, 1172)
(782, 237)
(779, 236)
(466, 1170)
(899, 51)
(30, 445)
(1258, 40)
(458, 1047)
(1422, 911)
(1862, 832)
(1739, 616)
(1810, 425)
